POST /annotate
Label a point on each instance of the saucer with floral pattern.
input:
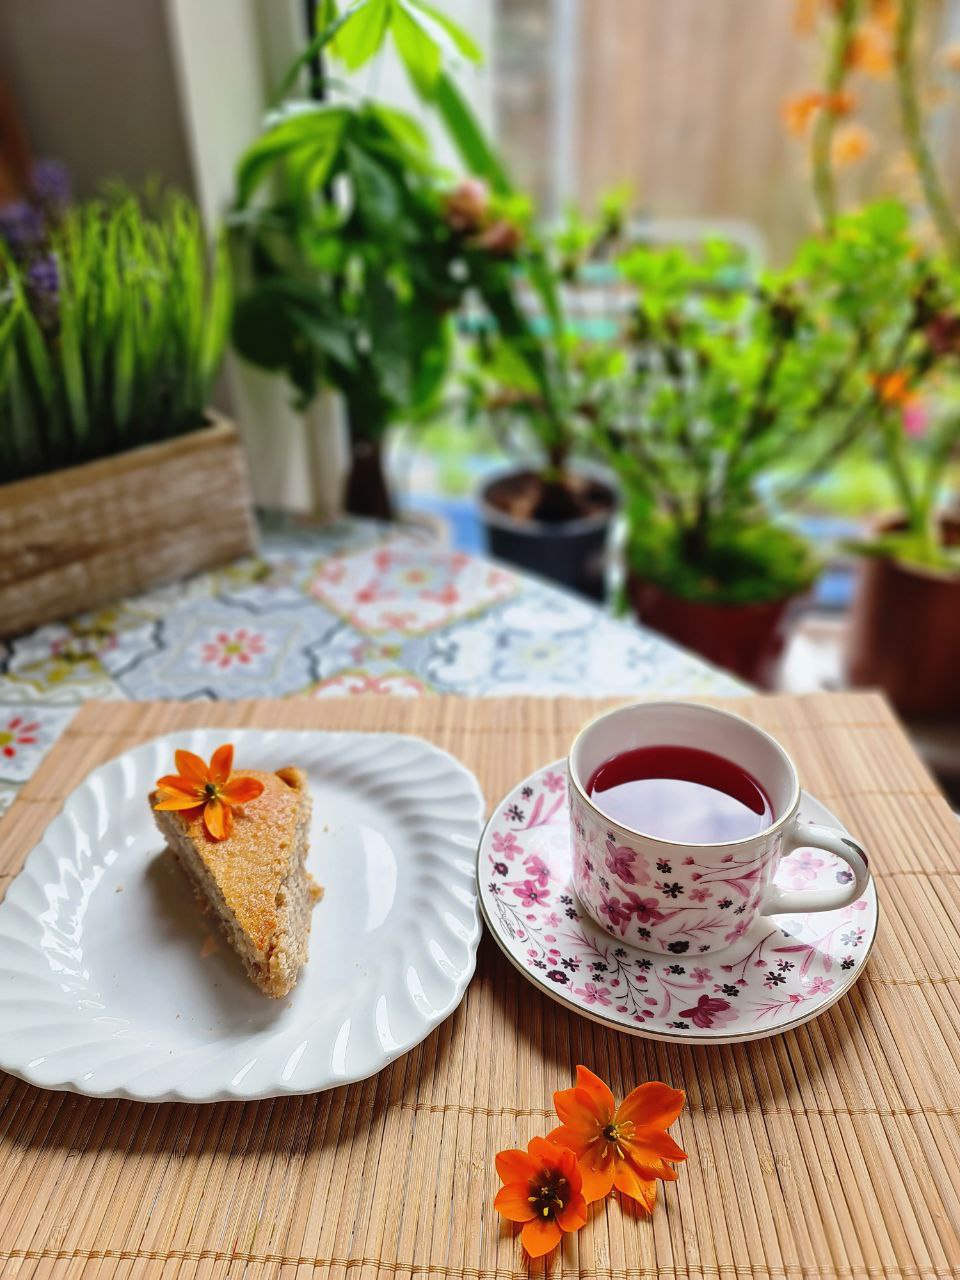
(781, 972)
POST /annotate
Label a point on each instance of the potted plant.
(541, 380)
(905, 626)
(352, 270)
(904, 633)
(740, 396)
(113, 317)
(354, 249)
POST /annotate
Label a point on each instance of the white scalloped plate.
(112, 985)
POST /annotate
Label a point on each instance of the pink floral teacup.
(676, 898)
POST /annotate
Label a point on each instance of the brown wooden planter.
(747, 639)
(904, 635)
(78, 538)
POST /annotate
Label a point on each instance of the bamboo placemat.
(831, 1151)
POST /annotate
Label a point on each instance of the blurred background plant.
(739, 398)
(351, 272)
(893, 42)
(540, 374)
(113, 318)
(915, 433)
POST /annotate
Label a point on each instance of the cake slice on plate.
(242, 838)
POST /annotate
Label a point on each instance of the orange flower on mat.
(624, 1147)
(208, 789)
(542, 1189)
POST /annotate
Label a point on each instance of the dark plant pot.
(904, 635)
(569, 552)
(366, 492)
(747, 639)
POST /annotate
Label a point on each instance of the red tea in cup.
(681, 794)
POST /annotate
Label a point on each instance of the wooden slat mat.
(831, 1151)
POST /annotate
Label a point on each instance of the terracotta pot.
(904, 635)
(747, 639)
(570, 552)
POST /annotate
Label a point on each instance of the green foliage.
(110, 336)
(419, 32)
(353, 256)
(416, 27)
(547, 387)
(536, 372)
(742, 394)
(914, 549)
(744, 562)
(918, 467)
(353, 267)
(914, 430)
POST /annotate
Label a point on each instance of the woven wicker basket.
(83, 536)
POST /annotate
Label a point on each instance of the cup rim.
(634, 832)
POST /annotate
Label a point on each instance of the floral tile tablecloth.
(351, 608)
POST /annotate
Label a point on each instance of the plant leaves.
(457, 34)
(126, 347)
(330, 23)
(419, 51)
(278, 314)
(405, 130)
(216, 330)
(378, 199)
(361, 32)
(478, 156)
(312, 135)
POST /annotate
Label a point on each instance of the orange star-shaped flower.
(798, 112)
(870, 51)
(893, 389)
(207, 789)
(543, 1191)
(850, 143)
(624, 1147)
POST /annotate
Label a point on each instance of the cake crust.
(254, 881)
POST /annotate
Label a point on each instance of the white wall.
(95, 84)
(227, 56)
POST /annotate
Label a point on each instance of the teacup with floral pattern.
(674, 898)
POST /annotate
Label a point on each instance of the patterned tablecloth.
(352, 608)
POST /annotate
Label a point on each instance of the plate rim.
(230, 1093)
(640, 1032)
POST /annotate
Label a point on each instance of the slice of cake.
(245, 858)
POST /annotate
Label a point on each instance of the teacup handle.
(802, 835)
